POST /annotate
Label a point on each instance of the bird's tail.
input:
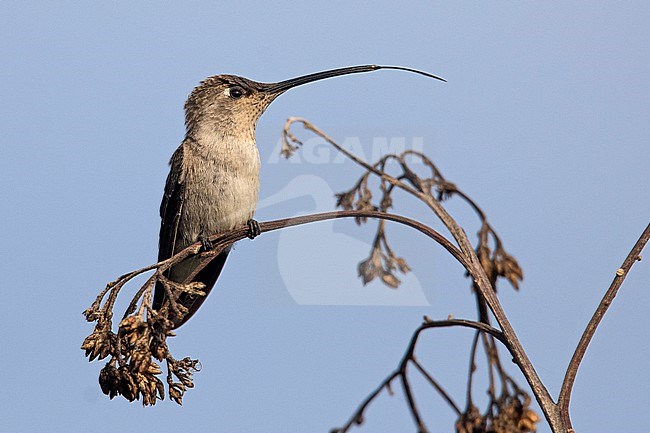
(208, 276)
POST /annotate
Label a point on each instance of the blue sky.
(544, 121)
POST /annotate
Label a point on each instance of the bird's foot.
(253, 229)
(206, 243)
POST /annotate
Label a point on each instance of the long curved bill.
(283, 86)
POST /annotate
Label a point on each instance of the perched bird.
(213, 182)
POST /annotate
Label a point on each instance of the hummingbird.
(213, 181)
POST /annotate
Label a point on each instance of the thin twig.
(572, 370)
(357, 416)
(492, 363)
(415, 413)
(472, 370)
(437, 386)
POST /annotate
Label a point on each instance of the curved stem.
(268, 226)
(572, 370)
(225, 239)
(477, 273)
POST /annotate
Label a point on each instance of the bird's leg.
(206, 243)
(253, 229)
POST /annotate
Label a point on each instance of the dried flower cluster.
(510, 413)
(507, 415)
(382, 261)
(497, 263)
(140, 343)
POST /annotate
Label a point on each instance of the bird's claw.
(206, 243)
(253, 229)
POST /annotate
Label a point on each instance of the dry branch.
(572, 370)
(141, 337)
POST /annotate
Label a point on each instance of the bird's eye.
(235, 92)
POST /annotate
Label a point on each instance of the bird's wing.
(171, 206)
(170, 213)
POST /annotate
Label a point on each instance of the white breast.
(221, 188)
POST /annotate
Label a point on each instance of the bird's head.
(228, 105)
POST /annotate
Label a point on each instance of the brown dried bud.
(471, 421)
(386, 203)
(153, 368)
(390, 280)
(402, 265)
(159, 351)
(365, 200)
(176, 395)
(345, 200)
(370, 268)
(92, 314)
(507, 267)
(99, 344)
(89, 342)
(128, 387)
(445, 190)
(110, 380)
(528, 421)
(131, 323)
